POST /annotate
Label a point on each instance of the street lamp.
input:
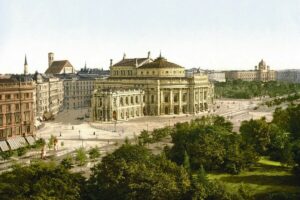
(115, 123)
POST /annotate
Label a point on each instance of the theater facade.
(140, 87)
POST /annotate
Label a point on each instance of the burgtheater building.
(141, 87)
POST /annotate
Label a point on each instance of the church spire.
(25, 66)
(25, 63)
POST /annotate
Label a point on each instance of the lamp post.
(115, 126)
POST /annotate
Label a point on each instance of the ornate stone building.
(141, 86)
(49, 94)
(260, 73)
(78, 90)
(17, 103)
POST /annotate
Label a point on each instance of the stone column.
(171, 102)
(162, 102)
(180, 101)
(203, 99)
(158, 99)
(191, 100)
(199, 96)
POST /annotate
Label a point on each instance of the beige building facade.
(17, 115)
(78, 91)
(141, 86)
(289, 75)
(49, 94)
(261, 72)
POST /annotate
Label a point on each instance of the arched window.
(121, 101)
(166, 99)
(131, 100)
(152, 98)
(175, 98)
(126, 100)
(132, 113)
(136, 99)
(184, 97)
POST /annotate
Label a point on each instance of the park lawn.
(265, 177)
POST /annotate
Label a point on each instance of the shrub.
(81, 157)
(94, 153)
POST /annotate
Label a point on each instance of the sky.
(210, 34)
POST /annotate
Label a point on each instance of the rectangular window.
(2, 135)
(8, 108)
(17, 117)
(17, 107)
(8, 118)
(9, 132)
(1, 120)
(18, 132)
(27, 116)
(28, 129)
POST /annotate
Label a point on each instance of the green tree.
(39, 143)
(256, 133)
(41, 181)
(144, 138)
(132, 172)
(6, 154)
(160, 133)
(52, 142)
(210, 142)
(67, 162)
(94, 153)
(80, 156)
(186, 162)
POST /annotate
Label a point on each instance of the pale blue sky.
(213, 34)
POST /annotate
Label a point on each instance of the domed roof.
(160, 62)
(262, 63)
